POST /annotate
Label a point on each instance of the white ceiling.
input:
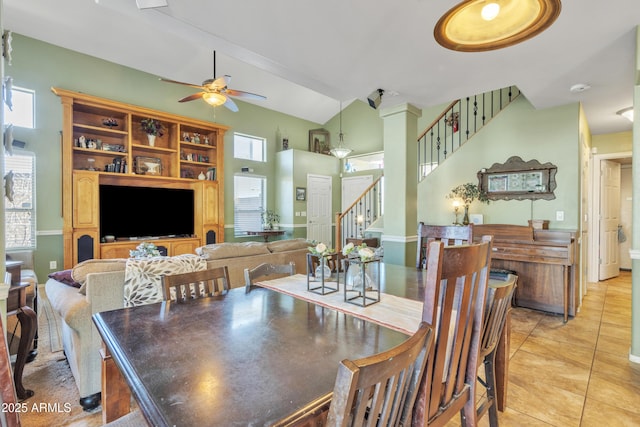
(307, 56)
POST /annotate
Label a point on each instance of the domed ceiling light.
(482, 25)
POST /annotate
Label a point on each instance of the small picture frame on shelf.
(148, 165)
(319, 141)
(301, 194)
(187, 173)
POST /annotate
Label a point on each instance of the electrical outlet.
(559, 215)
(303, 213)
(53, 265)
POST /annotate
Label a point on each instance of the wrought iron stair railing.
(459, 121)
(363, 212)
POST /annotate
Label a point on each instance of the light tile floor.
(575, 374)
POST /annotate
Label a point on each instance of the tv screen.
(145, 212)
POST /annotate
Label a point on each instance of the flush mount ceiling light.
(627, 113)
(481, 25)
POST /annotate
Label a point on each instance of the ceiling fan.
(216, 91)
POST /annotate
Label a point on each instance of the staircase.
(363, 212)
(459, 121)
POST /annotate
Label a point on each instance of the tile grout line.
(593, 358)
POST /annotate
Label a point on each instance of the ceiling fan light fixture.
(482, 25)
(627, 113)
(214, 99)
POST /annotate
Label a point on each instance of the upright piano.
(544, 260)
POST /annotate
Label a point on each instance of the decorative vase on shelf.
(465, 219)
(152, 140)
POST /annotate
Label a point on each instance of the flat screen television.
(145, 212)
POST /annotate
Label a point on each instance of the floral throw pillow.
(143, 277)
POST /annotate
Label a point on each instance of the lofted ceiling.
(306, 57)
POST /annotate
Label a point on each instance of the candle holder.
(320, 277)
(361, 281)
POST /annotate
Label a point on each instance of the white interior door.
(609, 265)
(319, 211)
(353, 187)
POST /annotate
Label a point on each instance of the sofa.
(98, 285)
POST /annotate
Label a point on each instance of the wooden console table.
(266, 233)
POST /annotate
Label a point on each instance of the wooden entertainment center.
(104, 144)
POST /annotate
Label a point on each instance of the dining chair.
(195, 284)
(449, 234)
(496, 311)
(455, 290)
(266, 270)
(374, 390)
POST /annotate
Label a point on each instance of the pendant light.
(340, 151)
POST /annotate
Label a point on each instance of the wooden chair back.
(195, 284)
(374, 390)
(449, 234)
(7, 389)
(455, 290)
(496, 311)
(267, 270)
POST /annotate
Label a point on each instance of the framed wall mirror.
(518, 180)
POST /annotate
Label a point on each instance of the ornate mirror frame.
(518, 180)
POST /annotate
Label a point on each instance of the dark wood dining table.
(243, 358)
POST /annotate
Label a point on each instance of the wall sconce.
(360, 221)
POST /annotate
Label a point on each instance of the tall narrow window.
(22, 114)
(20, 214)
(249, 147)
(249, 200)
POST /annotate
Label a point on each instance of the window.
(22, 114)
(249, 200)
(20, 214)
(249, 147)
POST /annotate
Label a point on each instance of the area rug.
(394, 312)
(56, 398)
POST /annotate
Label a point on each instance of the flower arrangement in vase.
(152, 128)
(468, 192)
(145, 250)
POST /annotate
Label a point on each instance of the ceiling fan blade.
(245, 95)
(180, 83)
(231, 105)
(192, 97)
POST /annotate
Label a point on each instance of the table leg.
(565, 293)
(28, 327)
(116, 396)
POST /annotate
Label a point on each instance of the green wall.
(546, 135)
(549, 135)
(39, 66)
